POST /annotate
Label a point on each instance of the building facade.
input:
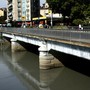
(3, 15)
(12, 10)
(1, 12)
(22, 10)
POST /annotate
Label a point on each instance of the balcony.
(10, 9)
(19, 9)
(19, 1)
(11, 17)
(27, 1)
(10, 5)
(27, 10)
(27, 5)
(19, 14)
(9, 14)
(19, 5)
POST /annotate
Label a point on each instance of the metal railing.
(69, 35)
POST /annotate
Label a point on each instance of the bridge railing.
(85, 28)
(69, 35)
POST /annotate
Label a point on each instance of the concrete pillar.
(15, 46)
(47, 60)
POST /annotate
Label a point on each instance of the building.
(47, 14)
(12, 10)
(1, 12)
(3, 15)
(44, 10)
(22, 10)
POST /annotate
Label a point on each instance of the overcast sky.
(42, 2)
(4, 4)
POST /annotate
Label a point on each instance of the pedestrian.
(80, 27)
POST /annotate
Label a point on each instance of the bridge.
(73, 42)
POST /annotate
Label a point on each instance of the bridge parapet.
(75, 35)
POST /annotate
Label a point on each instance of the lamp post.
(51, 19)
(51, 15)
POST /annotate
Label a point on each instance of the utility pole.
(51, 19)
(51, 15)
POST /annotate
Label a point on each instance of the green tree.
(86, 14)
(76, 10)
(54, 5)
(2, 19)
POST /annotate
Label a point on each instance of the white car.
(9, 25)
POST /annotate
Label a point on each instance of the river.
(20, 71)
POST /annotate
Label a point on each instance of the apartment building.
(12, 10)
(3, 15)
(22, 10)
(1, 12)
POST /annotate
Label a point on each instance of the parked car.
(0, 25)
(9, 25)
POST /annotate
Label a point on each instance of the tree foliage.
(2, 19)
(75, 10)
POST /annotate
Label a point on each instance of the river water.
(20, 71)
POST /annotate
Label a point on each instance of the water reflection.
(26, 67)
(45, 77)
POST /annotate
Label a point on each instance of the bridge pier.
(47, 60)
(15, 46)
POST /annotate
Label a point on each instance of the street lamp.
(51, 16)
(51, 19)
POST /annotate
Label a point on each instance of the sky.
(4, 4)
(42, 2)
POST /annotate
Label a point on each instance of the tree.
(2, 19)
(73, 9)
(86, 14)
(54, 5)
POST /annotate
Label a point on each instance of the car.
(9, 25)
(0, 25)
